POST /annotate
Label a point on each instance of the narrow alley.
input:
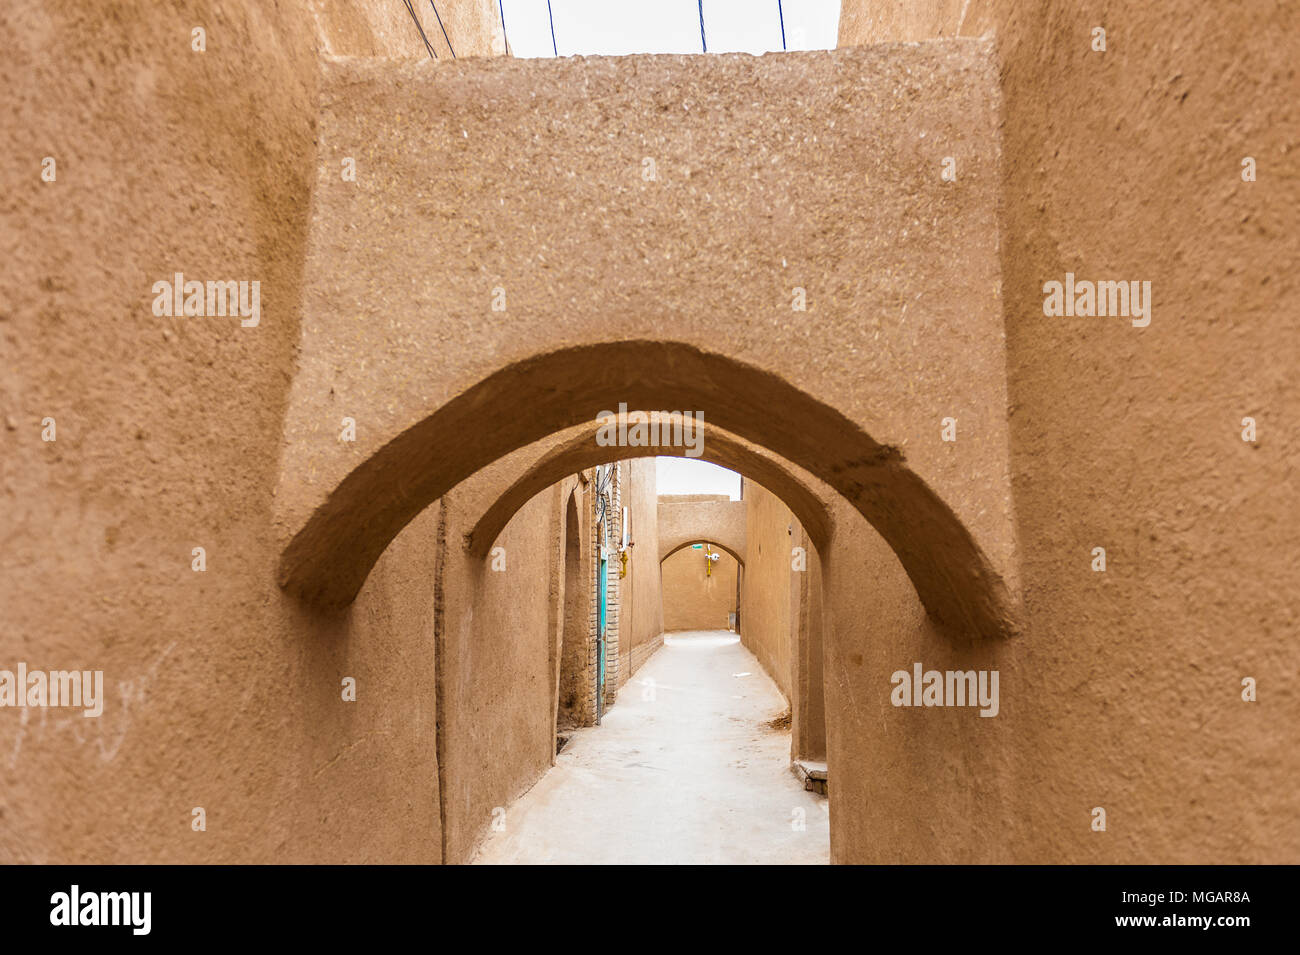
(685, 769)
(440, 432)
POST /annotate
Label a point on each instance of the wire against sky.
(601, 28)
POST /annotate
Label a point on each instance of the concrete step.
(812, 774)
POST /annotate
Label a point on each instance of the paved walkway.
(681, 771)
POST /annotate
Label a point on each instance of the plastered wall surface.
(781, 620)
(523, 474)
(694, 599)
(913, 784)
(1124, 692)
(770, 600)
(495, 190)
(374, 28)
(223, 694)
(685, 519)
(643, 614)
(808, 702)
(1120, 689)
(498, 735)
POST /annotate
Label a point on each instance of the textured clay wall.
(781, 613)
(685, 518)
(380, 28)
(694, 601)
(222, 693)
(1125, 689)
(911, 785)
(571, 652)
(643, 613)
(769, 611)
(808, 705)
(496, 673)
(780, 610)
(814, 160)
(872, 21)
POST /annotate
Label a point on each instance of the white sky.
(622, 27)
(693, 476)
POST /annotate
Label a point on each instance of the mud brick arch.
(501, 270)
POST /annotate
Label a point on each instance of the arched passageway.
(792, 591)
(329, 557)
(572, 315)
(708, 542)
(690, 308)
(701, 584)
(684, 769)
(576, 449)
(683, 522)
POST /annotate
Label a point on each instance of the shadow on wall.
(570, 697)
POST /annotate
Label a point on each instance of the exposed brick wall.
(581, 674)
(614, 515)
(643, 651)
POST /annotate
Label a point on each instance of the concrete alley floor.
(682, 770)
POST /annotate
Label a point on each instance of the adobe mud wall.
(859, 401)
(911, 785)
(685, 519)
(769, 609)
(573, 606)
(643, 614)
(694, 600)
(496, 671)
(808, 705)
(1125, 690)
(781, 613)
(1122, 689)
(222, 693)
